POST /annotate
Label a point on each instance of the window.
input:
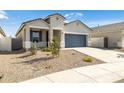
(35, 37)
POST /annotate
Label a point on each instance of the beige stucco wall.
(114, 38)
(5, 44)
(97, 42)
(76, 27)
(56, 24)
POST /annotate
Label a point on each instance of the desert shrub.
(33, 49)
(87, 59)
(55, 46)
(46, 49)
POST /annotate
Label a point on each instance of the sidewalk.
(101, 73)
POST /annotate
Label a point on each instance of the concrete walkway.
(102, 73)
(109, 72)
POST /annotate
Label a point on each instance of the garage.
(74, 40)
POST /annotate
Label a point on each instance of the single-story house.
(108, 36)
(42, 31)
(2, 33)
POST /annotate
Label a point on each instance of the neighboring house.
(42, 31)
(2, 34)
(108, 36)
(5, 42)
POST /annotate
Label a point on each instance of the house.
(42, 31)
(2, 34)
(108, 36)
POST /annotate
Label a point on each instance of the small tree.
(34, 48)
(55, 46)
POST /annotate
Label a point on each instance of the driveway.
(102, 54)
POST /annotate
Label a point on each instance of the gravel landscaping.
(22, 66)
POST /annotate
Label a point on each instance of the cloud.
(3, 15)
(73, 14)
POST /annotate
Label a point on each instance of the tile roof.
(109, 27)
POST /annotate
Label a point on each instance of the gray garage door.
(72, 40)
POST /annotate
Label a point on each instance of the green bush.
(87, 59)
(55, 46)
(33, 49)
(46, 49)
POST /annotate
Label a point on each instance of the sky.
(10, 20)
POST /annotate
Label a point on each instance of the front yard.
(23, 66)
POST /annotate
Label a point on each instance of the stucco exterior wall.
(6, 44)
(76, 27)
(114, 38)
(97, 42)
(56, 22)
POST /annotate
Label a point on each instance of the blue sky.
(10, 20)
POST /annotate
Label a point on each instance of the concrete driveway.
(102, 54)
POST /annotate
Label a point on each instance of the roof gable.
(30, 22)
(78, 22)
(55, 15)
(38, 19)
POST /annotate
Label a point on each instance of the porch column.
(27, 38)
(50, 34)
(88, 38)
(62, 43)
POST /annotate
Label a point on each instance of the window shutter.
(30, 35)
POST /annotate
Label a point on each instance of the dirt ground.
(23, 66)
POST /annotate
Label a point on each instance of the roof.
(53, 15)
(24, 23)
(80, 22)
(2, 32)
(109, 28)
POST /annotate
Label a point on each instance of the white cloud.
(3, 15)
(74, 14)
